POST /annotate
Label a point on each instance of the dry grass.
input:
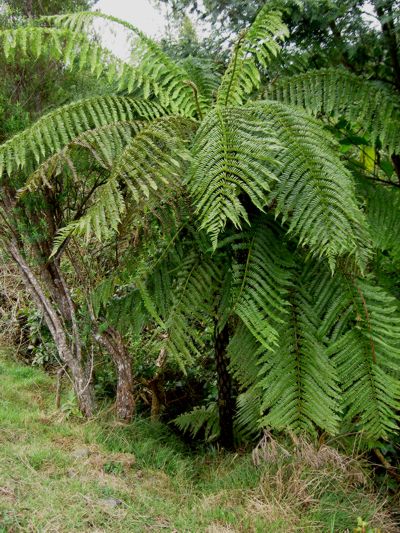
(304, 476)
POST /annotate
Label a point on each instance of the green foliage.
(52, 132)
(255, 48)
(299, 381)
(200, 419)
(372, 107)
(367, 357)
(147, 167)
(231, 153)
(154, 71)
(263, 283)
(270, 147)
(383, 215)
(314, 342)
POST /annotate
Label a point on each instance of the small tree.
(271, 244)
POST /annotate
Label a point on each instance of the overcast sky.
(139, 12)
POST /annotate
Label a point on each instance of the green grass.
(159, 484)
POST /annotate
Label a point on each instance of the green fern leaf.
(54, 130)
(372, 107)
(263, 283)
(299, 382)
(255, 48)
(233, 152)
(368, 359)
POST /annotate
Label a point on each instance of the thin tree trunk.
(81, 374)
(224, 381)
(113, 342)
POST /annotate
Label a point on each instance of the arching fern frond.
(153, 68)
(101, 218)
(200, 419)
(202, 73)
(155, 159)
(372, 107)
(52, 132)
(150, 165)
(248, 414)
(55, 43)
(244, 352)
(255, 48)
(277, 155)
(367, 357)
(194, 301)
(383, 215)
(104, 144)
(314, 191)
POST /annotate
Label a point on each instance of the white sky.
(140, 13)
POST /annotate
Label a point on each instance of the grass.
(62, 475)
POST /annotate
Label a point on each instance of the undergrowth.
(59, 473)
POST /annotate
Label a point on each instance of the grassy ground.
(61, 475)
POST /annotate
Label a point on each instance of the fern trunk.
(224, 381)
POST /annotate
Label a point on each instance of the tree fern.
(371, 106)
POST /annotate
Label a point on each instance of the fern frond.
(153, 68)
(367, 357)
(248, 414)
(299, 382)
(202, 73)
(104, 144)
(52, 132)
(193, 303)
(234, 152)
(383, 215)
(244, 352)
(372, 107)
(151, 164)
(200, 418)
(263, 283)
(155, 159)
(101, 218)
(255, 48)
(315, 192)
